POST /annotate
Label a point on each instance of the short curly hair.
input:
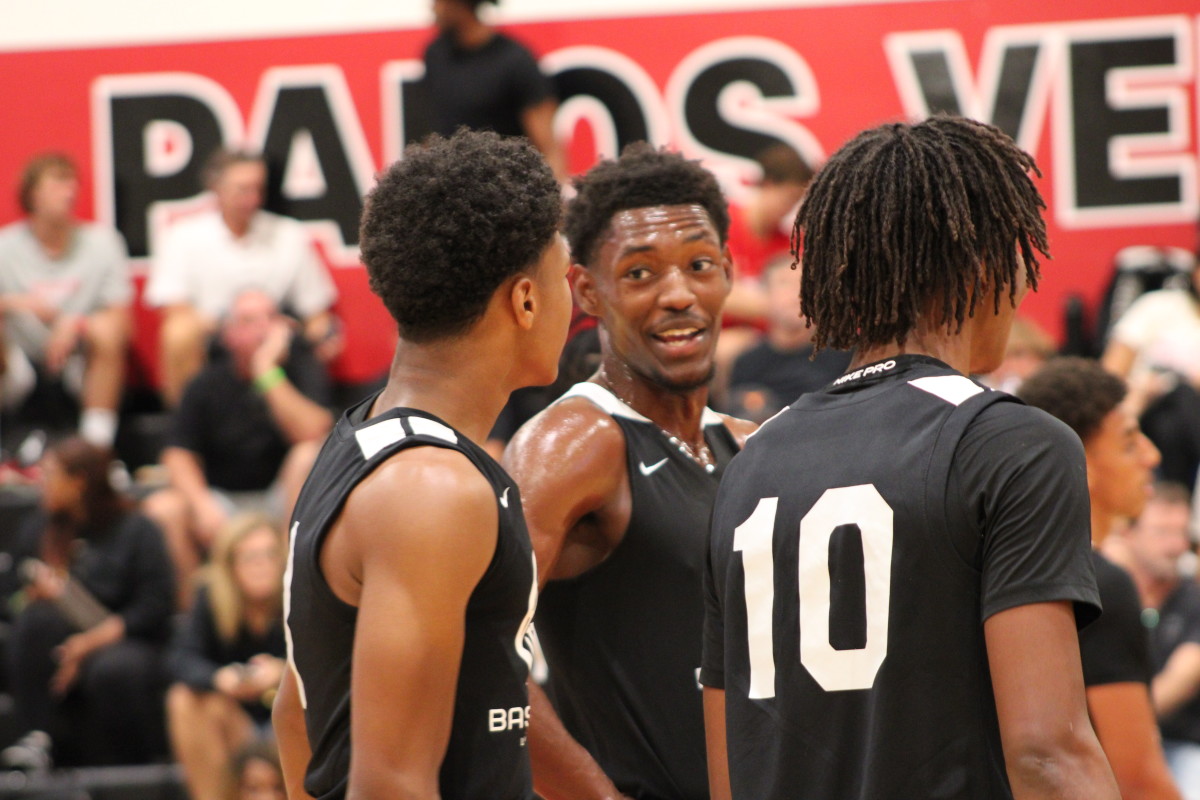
(1078, 391)
(450, 222)
(642, 177)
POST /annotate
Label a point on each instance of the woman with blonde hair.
(227, 658)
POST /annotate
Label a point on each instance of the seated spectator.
(257, 773)
(1153, 550)
(760, 232)
(227, 659)
(207, 259)
(781, 367)
(64, 296)
(1156, 346)
(94, 616)
(245, 434)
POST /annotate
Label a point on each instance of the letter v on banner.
(1012, 92)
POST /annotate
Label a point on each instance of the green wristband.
(269, 380)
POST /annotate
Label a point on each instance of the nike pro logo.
(650, 469)
(504, 497)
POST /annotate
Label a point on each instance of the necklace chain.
(702, 455)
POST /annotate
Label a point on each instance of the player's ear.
(583, 284)
(524, 301)
(727, 262)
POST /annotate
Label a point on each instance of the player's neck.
(1102, 524)
(953, 351)
(467, 397)
(679, 413)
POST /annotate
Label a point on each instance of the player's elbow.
(1067, 762)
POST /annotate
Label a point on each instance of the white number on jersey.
(835, 670)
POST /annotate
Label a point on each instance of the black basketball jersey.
(622, 641)
(858, 544)
(486, 758)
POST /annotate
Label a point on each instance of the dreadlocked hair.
(905, 215)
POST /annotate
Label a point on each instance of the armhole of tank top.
(374, 463)
(937, 474)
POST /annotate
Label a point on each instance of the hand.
(275, 346)
(70, 654)
(264, 672)
(324, 333)
(64, 339)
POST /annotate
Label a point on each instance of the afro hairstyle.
(447, 224)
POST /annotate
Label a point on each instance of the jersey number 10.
(835, 670)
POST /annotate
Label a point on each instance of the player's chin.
(686, 377)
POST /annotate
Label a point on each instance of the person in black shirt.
(1116, 658)
(410, 581)
(478, 77)
(89, 672)
(227, 657)
(899, 562)
(245, 433)
(617, 516)
(782, 366)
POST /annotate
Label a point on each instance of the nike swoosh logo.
(650, 470)
(504, 497)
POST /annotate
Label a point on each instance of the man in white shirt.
(64, 300)
(206, 260)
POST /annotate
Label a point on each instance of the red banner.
(1103, 93)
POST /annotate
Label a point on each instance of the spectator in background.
(1029, 346)
(86, 647)
(481, 78)
(245, 433)
(227, 659)
(759, 234)
(207, 259)
(1156, 346)
(1114, 648)
(1154, 550)
(64, 296)
(257, 773)
(781, 367)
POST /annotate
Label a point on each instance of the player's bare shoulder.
(571, 437)
(740, 428)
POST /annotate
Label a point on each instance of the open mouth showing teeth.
(678, 335)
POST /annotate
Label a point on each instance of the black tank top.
(486, 757)
(623, 640)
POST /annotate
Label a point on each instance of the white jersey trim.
(954, 389)
(385, 433)
(616, 407)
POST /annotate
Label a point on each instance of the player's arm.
(1049, 747)
(1179, 680)
(570, 463)
(714, 736)
(1125, 722)
(416, 563)
(287, 716)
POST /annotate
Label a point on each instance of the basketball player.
(618, 480)
(1115, 649)
(899, 561)
(410, 581)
